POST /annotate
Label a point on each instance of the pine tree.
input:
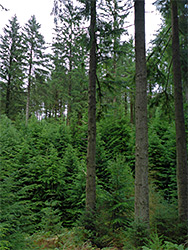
(11, 72)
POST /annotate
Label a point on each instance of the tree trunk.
(132, 108)
(28, 101)
(181, 151)
(29, 88)
(7, 106)
(141, 151)
(69, 101)
(186, 96)
(70, 79)
(8, 92)
(91, 149)
(125, 104)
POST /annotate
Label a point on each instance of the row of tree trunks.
(141, 151)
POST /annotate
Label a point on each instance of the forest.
(94, 129)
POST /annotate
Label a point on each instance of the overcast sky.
(42, 9)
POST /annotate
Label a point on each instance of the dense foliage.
(43, 177)
(43, 160)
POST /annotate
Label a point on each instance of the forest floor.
(69, 240)
(63, 241)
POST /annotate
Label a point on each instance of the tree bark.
(91, 149)
(8, 92)
(70, 79)
(186, 96)
(126, 104)
(141, 151)
(181, 150)
(132, 108)
(28, 94)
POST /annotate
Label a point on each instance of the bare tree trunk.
(69, 102)
(28, 102)
(186, 95)
(132, 108)
(91, 149)
(29, 88)
(125, 104)
(70, 79)
(8, 92)
(182, 165)
(141, 154)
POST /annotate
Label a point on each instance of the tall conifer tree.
(91, 149)
(181, 148)
(67, 48)
(141, 152)
(36, 61)
(11, 71)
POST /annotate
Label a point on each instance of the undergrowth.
(68, 239)
(73, 239)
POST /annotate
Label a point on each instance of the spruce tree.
(181, 146)
(112, 54)
(91, 149)
(141, 149)
(69, 54)
(11, 71)
(36, 60)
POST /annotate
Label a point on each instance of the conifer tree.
(11, 72)
(111, 32)
(91, 149)
(181, 148)
(112, 54)
(141, 150)
(160, 60)
(36, 60)
(69, 54)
